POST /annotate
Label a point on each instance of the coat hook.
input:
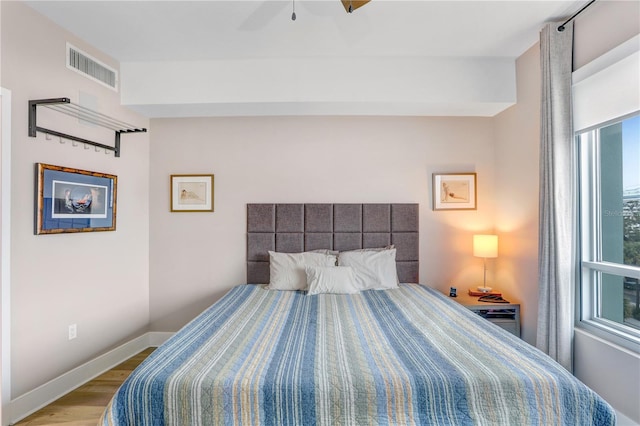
(47, 136)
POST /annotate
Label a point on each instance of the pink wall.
(610, 370)
(98, 281)
(196, 257)
(597, 363)
(162, 268)
(517, 140)
(605, 24)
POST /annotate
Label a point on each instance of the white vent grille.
(90, 67)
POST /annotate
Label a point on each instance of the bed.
(402, 355)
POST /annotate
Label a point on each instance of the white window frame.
(591, 263)
(612, 80)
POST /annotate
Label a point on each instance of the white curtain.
(556, 249)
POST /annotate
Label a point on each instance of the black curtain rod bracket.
(561, 27)
(64, 106)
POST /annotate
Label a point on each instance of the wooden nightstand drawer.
(504, 315)
(511, 326)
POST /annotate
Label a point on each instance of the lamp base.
(484, 289)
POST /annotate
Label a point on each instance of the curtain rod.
(561, 27)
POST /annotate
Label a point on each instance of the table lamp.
(485, 246)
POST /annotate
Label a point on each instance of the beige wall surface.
(517, 144)
(604, 25)
(162, 268)
(98, 281)
(612, 371)
(196, 257)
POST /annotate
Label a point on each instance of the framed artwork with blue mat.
(73, 200)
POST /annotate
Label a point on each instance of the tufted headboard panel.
(294, 228)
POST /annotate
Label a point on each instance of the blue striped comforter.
(403, 356)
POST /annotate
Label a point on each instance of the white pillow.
(331, 279)
(325, 251)
(389, 247)
(286, 270)
(374, 270)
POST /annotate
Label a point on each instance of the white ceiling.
(187, 31)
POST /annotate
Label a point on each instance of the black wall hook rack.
(64, 106)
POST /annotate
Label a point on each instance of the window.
(610, 222)
(606, 110)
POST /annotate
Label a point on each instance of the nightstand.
(505, 315)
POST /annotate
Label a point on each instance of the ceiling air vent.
(90, 67)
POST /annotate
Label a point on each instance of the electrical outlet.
(73, 331)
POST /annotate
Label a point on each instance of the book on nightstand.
(475, 293)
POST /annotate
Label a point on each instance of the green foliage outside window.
(632, 252)
(632, 232)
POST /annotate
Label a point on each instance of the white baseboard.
(45, 394)
(622, 420)
(156, 338)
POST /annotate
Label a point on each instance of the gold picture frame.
(454, 191)
(74, 200)
(192, 193)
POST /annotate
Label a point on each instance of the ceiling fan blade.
(353, 4)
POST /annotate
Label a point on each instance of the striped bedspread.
(400, 357)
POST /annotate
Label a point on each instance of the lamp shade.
(485, 246)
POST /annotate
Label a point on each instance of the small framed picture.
(454, 191)
(73, 200)
(191, 193)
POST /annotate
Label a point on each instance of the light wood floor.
(84, 406)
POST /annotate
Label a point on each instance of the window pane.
(620, 299)
(620, 192)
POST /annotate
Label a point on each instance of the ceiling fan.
(271, 8)
(350, 5)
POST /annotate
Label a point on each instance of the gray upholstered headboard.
(294, 228)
